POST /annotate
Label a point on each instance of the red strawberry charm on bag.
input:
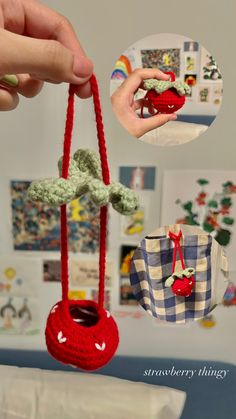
(182, 281)
(164, 96)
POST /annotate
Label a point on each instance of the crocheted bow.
(161, 86)
(182, 281)
(85, 176)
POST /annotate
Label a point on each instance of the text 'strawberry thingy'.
(181, 282)
(164, 96)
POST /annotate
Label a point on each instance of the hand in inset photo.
(126, 104)
(166, 89)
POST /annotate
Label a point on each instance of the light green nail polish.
(10, 79)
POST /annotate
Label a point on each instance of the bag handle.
(106, 180)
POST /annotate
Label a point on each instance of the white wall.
(31, 143)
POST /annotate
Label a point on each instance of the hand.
(125, 106)
(38, 44)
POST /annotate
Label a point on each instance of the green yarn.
(187, 273)
(161, 86)
(85, 176)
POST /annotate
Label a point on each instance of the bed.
(185, 129)
(208, 397)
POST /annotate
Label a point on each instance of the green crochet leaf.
(54, 192)
(188, 272)
(85, 176)
(169, 282)
(178, 274)
(161, 86)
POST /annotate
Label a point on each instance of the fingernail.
(82, 67)
(10, 80)
(173, 117)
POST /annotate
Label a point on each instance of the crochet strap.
(177, 247)
(106, 180)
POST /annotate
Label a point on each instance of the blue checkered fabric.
(151, 265)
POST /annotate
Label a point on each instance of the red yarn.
(181, 286)
(82, 333)
(167, 102)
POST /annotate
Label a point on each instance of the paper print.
(126, 314)
(208, 321)
(138, 178)
(210, 71)
(164, 59)
(51, 270)
(217, 95)
(19, 316)
(19, 277)
(107, 298)
(191, 46)
(206, 199)
(190, 79)
(126, 254)
(126, 294)
(229, 299)
(77, 294)
(134, 225)
(36, 226)
(190, 63)
(85, 273)
(204, 93)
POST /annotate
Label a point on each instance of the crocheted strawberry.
(165, 96)
(181, 282)
(81, 334)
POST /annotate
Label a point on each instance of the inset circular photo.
(166, 89)
(178, 273)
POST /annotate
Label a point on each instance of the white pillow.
(174, 133)
(27, 393)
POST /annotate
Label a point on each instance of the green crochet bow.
(85, 176)
(161, 86)
(187, 272)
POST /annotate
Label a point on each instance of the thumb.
(157, 121)
(43, 59)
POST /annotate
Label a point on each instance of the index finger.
(44, 23)
(134, 81)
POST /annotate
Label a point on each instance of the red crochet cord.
(176, 239)
(106, 180)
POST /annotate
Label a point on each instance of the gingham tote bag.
(152, 265)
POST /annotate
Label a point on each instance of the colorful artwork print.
(204, 198)
(138, 178)
(212, 213)
(122, 68)
(85, 273)
(164, 59)
(51, 271)
(126, 254)
(19, 316)
(77, 294)
(126, 294)
(191, 46)
(134, 224)
(107, 298)
(36, 226)
(190, 79)
(229, 298)
(210, 71)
